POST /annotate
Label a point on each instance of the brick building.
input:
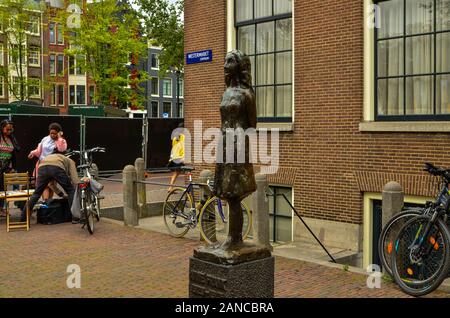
(357, 105)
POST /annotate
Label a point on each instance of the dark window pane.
(61, 95)
(167, 108)
(81, 94)
(72, 94)
(390, 97)
(154, 110)
(419, 95)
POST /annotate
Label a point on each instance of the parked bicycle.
(181, 213)
(414, 245)
(89, 189)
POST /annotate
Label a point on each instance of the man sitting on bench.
(54, 167)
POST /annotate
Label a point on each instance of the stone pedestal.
(253, 279)
(244, 273)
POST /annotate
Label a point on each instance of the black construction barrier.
(30, 129)
(122, 138)
(159, 141)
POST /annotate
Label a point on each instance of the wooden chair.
(17, 179)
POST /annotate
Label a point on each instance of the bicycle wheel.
(388, 234)
(420, 269)
(176, 212)
(213, 228)
(88, 212)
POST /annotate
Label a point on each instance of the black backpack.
(56, 211)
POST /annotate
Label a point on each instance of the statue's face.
(231, 65)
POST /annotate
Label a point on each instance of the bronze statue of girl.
(234, 177)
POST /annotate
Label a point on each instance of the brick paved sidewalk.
(123, 262)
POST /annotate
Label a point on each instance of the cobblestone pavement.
(123, 262)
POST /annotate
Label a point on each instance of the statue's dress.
(234, 180)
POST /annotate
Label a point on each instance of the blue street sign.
(165, 115)
(199, 57)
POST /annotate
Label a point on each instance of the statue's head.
(238, 66)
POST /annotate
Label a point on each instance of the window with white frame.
(52, 64)
(167, 87)
(34, 26)
(60, 64)
(59, 34)
(52, 32)
(412, 61)
(167, 109)
(34, 87)
(154, 61)
(280, 214)
(2, 56)
(77, 94)
(264, 33)
(154, 109)
(76, 64)
(16, 86)
(60, 89)
(181, 87)
(2, 86)
(16, 52)
(53, 95)
(154, 82)
(34, 56)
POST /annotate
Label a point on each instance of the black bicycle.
(421, 249)
(88, 189)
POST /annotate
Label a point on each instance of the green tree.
(20, 20)
(108, 38)
(164, 26)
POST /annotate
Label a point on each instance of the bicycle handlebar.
(437, 171)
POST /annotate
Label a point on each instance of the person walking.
(176, 160)
(8, 150)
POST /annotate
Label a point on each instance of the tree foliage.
(107, 36)
(19, 19)
(164, 26)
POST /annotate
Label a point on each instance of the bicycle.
(181, 213)
(88, 188)
(393, 226)
(421, 252)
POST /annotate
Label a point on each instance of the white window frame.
(59, 72)
(53, 92)
(171, 107)
(157, 108)
(157, 61)
(58, 29)
(36, 20)
(171, 87)
(157, 80)
(75, 94)
(50, 63)
(38, 56)
(10, 61)
(54, 32)
(38, 86)
(2, 84)
(181, 84)
(63, 95)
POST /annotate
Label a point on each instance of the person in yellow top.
(176, 160)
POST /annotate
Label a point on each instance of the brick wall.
(331, 160)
